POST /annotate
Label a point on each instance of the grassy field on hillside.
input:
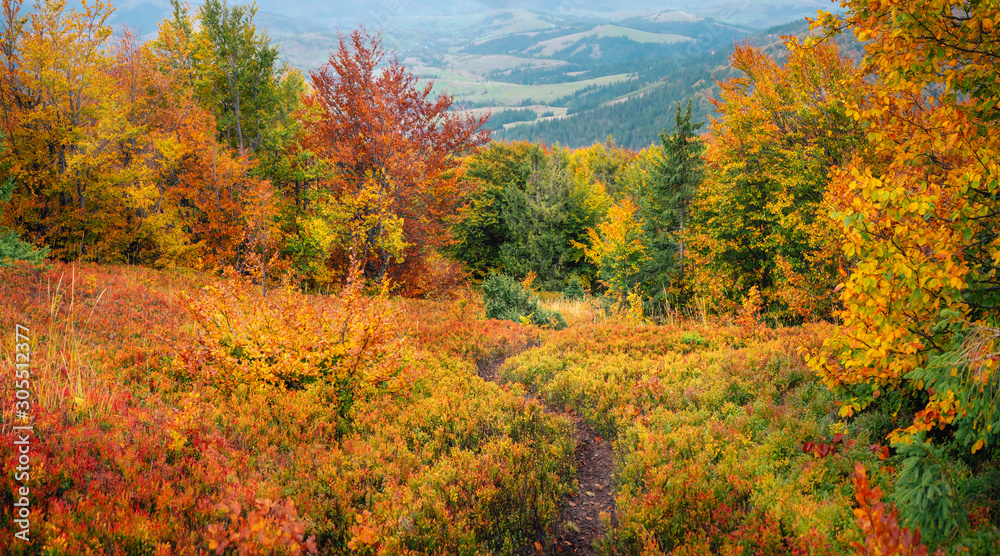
(481, 65)
(510, 94)
(551, 46)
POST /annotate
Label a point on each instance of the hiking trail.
(581, 524)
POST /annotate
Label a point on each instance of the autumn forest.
(248, 309)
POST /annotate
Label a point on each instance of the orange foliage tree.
(393, 153)
(210, 208)
(62, 123)
(758, 219)
(920, 225)
(113, 158)
(226, 207)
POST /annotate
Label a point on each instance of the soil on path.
(582, 517)
(582, 523)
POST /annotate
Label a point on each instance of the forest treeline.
(632, 110)
(821, 189)
(197, 149)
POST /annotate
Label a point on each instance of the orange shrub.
(290, 340)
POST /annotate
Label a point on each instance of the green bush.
(506, 299)
(574, 289)
(13, 249)
(693, 338)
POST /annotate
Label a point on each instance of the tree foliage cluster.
(918, 218)
(198, 149)
(759, 219)
(530, 207)
(604, 215)
(862, 192)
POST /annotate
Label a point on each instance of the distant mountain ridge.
(635, 117)
(309, 16)
(576, 70)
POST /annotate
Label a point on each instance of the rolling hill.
(582, 69)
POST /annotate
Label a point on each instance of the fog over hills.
(315, 15)
(567, 71)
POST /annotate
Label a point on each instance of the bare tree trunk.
(263, 257)
(681, 242)
(234, 87)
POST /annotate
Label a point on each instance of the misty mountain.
(310, 16)
(567, 71)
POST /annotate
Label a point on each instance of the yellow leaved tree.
(759, 216)
(616, 247)
(920, 218)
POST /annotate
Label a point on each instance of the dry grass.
(587, 310)
(81, 324)
(69, 368)
(591, 310)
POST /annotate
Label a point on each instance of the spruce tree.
(666, 203)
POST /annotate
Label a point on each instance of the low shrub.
(711, 430)
(155, 433)
(506, 299)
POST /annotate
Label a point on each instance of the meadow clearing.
(177, 414)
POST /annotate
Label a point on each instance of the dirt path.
(582, 525)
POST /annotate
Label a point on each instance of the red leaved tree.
(393, 152)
